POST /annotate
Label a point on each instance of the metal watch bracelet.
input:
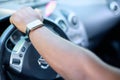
(33, 26)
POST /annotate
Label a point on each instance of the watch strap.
(33, 25)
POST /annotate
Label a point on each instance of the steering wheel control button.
(16, 61)
(23, 49)
(20, 55)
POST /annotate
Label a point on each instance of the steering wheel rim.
(2, 73)
(6, 34)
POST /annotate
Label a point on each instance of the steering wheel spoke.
(17, 55)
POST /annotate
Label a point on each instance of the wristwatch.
(33, 25)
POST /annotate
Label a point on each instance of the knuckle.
(12, 18)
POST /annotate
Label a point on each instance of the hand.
(24, 16)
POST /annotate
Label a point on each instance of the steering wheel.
(19, 57)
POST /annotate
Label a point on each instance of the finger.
(11, 19)
(39, 12)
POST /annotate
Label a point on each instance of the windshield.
(7, 7)
(23, 1)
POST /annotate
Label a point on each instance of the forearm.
(57, 51)
(68, 59)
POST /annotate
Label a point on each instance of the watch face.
(33, 25)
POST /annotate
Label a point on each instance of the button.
(20, 55)
(16, 61)
(23, 49)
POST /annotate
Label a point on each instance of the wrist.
(33, 34)
(33, 26)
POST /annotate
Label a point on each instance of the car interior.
(92, 24)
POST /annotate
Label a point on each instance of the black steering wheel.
(19, 57)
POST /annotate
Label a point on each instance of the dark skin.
(69, 60)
